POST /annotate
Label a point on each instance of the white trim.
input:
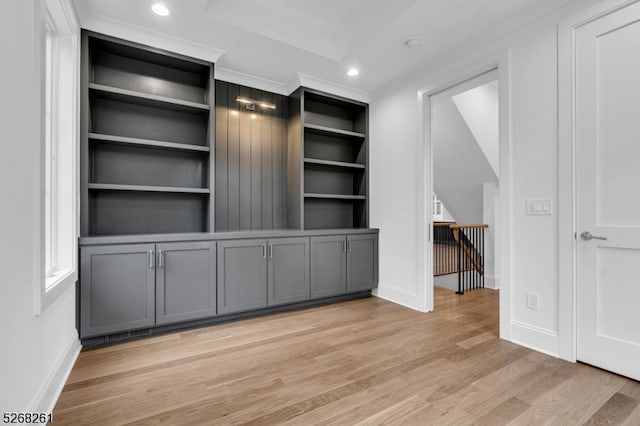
(536, 338)
(491, 282)
(63, 15)
(67, 105)
(116, 28)
(500, 61)
(317, 83)
(397, 295)
(45, 399)
(254, 81)
(567, 309)
(64, 281)
(424, 206)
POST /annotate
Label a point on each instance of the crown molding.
(253, 81)
(123, 30)
(286, 89)
(64, 12)
(333, 88)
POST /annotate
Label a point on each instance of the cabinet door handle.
(349, 246)
(264, 251)
(160, 254)
(150, 259)
(344, 246)
(270, 251)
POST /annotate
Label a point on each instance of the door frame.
(567, 182)
(462, 72)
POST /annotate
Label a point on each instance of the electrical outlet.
(532, 301)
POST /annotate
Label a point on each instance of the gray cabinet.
(328, 266)
(242, 275)
(185, 281)
(362, 262)
(343, 264)
(117, 288)
(288, 268)
(130, 286)
(127, 288)
(254, 274)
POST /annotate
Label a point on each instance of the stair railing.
(459, 248)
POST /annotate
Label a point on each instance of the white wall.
(459, 166)
(393, 208)
(479, 108)
(396, 148)
(490, 208)
(36, 349)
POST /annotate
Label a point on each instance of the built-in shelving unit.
(147, 139)
(177, 230)
(329, 133)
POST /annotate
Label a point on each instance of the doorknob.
(587, 236)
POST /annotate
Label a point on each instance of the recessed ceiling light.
(412, 42)
(353, 72)
(160, 9)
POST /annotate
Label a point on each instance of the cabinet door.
(362, 262)
(242, 275)
(328, 266)
(116, 288)
(288, 270)
(185, 281)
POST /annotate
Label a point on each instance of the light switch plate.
(539, 207)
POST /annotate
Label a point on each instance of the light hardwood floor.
(366, 362)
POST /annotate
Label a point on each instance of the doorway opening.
(464, 135)
(466, 187)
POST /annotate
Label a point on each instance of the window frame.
(60, 135)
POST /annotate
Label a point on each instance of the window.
(50, 150)
(60, 140)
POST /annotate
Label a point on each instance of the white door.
(607, 131)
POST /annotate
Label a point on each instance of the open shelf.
(147, 142)
(334, 213)
(138, 121)
(146, 70)
(335, 196)
(140, 98)
(129, 212)
(149, 56)
(333, 163)
(146, 188)
(332, 131)
(329, 114)
(141, 165)
(343, 182)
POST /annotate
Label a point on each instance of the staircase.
(459, 248)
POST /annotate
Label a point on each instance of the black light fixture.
(250, 104)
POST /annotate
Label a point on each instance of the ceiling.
(278, 43)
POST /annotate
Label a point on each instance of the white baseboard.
(46, 398)
(490, 281)
(536, 338)
(397, 295)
